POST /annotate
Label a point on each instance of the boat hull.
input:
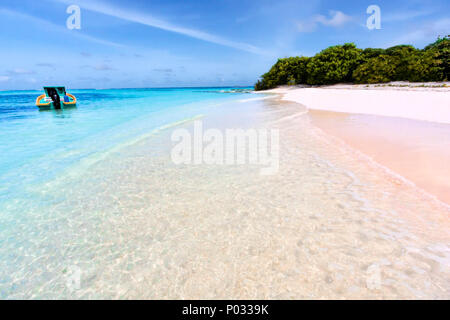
(51, 106)
(42, 104)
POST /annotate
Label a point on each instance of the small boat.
(55, 98)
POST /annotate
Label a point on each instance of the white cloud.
(426, 34)
(148, 20)
(405, 15)
(336, 19)
(4, 78)
(103, 67)
(45, 64)
(20, 71)
(42, 22)
(306, 26)
(99, 67)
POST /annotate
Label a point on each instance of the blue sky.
(191, 42)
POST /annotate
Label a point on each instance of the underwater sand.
(330, 224)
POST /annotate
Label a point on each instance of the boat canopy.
(60, 90)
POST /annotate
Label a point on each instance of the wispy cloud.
(151, 21)
(45, 64)
(103, 67)
(42, 22)
(4, 78)
(166, 70)
(20, 71)
(335, 19)
(405, 15)
(94, 79)
(426, 34)
(99, 67)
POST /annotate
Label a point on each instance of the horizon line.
(125, 88)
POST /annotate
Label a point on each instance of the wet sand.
(417, 150)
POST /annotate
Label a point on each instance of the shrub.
(440, 50)
(346, 63)
(375, 70)
(285, 70)
(333, 65)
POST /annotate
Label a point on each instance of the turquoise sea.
(93, 207)
(36, 145)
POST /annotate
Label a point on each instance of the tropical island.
(402, 85)
(170, 177)
(349, 64)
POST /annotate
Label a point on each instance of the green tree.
(346, 63)
(403, 57)
(425, 66)
(369, 53)
(440, 50)
(287, 70)
(375, 70)
(333, 65)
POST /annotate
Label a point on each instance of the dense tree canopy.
(347, 63)
(285, 71)
(333, 65)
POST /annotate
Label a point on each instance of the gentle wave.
(256, 99)
(74, 171)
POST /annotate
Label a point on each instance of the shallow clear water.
(36, 145)
(417, 150)
(111, 209)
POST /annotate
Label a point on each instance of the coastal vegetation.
(349, 64)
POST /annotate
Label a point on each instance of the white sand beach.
(402, 126)
(411, 101)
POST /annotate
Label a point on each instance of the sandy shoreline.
(411, 102)
(404, 128)
(416, 150)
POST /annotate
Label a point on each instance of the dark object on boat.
(52, 99)
(55, 98)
